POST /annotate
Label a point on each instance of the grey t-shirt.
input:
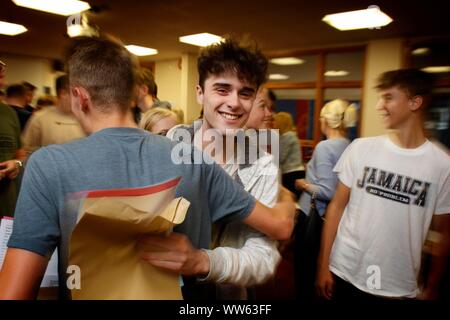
(116, 158)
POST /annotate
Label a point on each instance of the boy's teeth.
(229, 116)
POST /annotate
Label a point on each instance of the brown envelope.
(104, 245)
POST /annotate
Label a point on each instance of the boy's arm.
(333, 216)
(21, 274)
(277, 222)
(439, 258)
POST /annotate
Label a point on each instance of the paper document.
(51, 274)
(6, 225)
(104, 244)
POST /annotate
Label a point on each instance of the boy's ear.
(415, 103)
(83, 97)
(199, 93)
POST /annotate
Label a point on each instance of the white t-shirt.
(394, 194)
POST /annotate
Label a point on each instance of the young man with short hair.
(390, 187)
(102, 85)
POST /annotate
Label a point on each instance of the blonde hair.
(339, 114)
(283, 121)
(180, 115)
(152, 116)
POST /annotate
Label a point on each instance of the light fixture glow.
(201, 39)
(420, 51)
(62, 7)
(141, 51)
(278, 76)
(287, 61)
(371, 17)
(11, 29)
(437, 69)
(75, 30)
(336, 73)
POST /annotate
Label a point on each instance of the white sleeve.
(254, 263)
(345, 168)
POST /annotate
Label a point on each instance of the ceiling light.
(336, 73)
(277, 76)
(62, 7)
(420, 51)
(371, 17)
(141, 51)
(437, 69)
(201, 39)
(287, 61)
(11, 29)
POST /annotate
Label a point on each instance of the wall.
(381, 56)
(176, 80)
(37, 71)
(168, 80)
(189, 81)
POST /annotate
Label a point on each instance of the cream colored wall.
(381, 56)
(176, 80)
(37, 71)
(168, 79)
(189, 81)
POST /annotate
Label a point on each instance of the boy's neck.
(410, 137)
(113, 120)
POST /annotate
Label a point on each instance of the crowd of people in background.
(358, 205)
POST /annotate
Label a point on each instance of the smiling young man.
(390, 188)
(229, 77)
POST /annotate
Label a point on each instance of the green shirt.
(9, 143)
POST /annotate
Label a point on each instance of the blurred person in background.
(290, 151)
(16, 98)
(11, 154)
(45, 101)
(30, 89)
(158, 121)
(321, 181)
(54, 124)
(261, 116)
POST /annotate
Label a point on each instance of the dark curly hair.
(248, 63)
